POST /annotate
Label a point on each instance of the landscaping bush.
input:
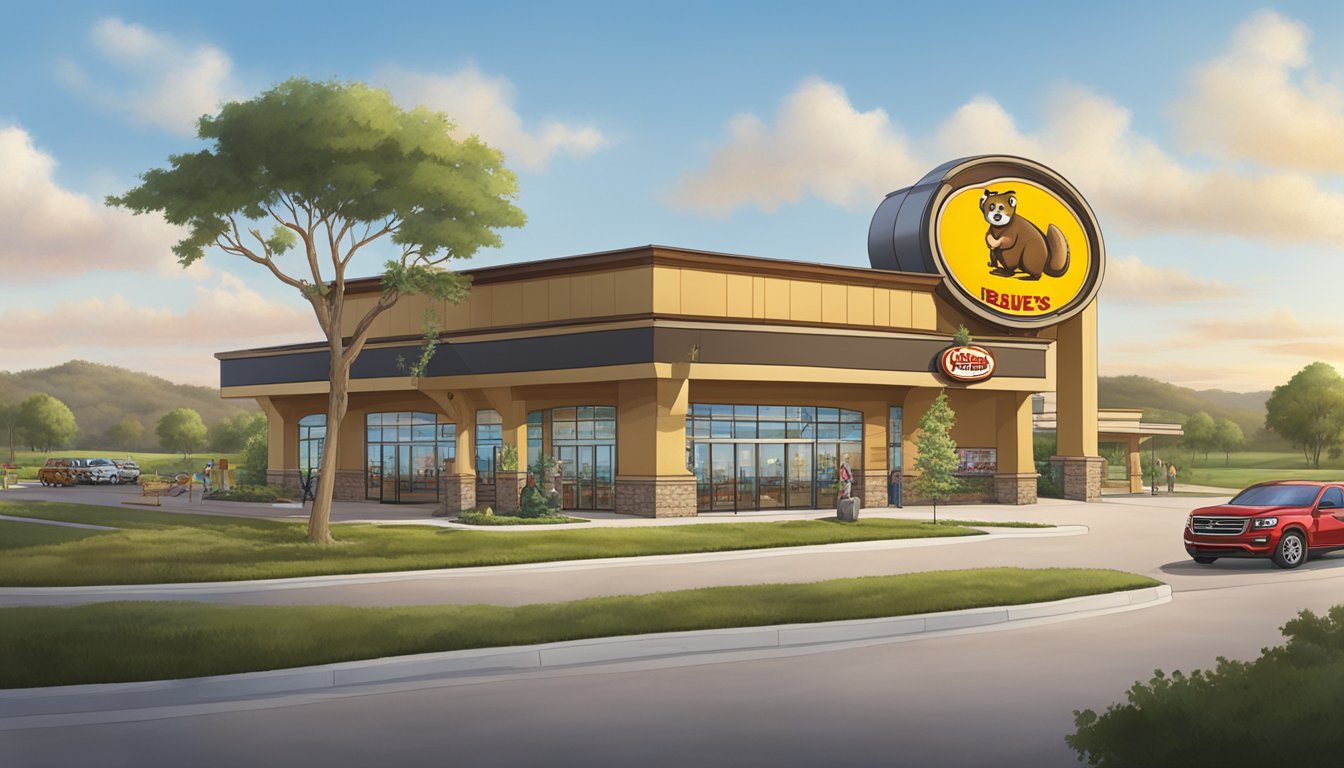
(268, 494)
(480, 518)
(533, 502)
(1274, 710)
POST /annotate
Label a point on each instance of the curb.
(38, 707)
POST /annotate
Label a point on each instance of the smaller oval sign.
(967, 363)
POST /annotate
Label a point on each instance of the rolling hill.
(101, 395)
(1171, 403)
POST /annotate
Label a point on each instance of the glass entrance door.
(770, 475)
(725, 483)
(800, 476)
(586, 476)
(404, 474)
(391, 475)
(418, 462)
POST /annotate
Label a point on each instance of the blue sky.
(1205, 138)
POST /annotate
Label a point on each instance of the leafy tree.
(9, 421)
(1199, 434)
(1308, 411)
(1228, 437)
(46, 422)
(937, 454)
(125, 433)
(230, 434)
(332, 168)
(181, 431)
(256, 454)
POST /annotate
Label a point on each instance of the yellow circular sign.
(1014, 248)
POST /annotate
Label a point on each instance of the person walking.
(1171, 478)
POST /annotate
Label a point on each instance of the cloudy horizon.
(1209, 162)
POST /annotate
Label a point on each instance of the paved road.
(1000, 698)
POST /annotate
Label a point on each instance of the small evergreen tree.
(937, 454)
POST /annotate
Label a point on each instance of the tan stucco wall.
(656, 289)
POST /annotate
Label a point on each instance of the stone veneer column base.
(457, 493)
(656, 496)
(1082, 476)
(349, 485)
(1015, 488)
(508, 491)
(871, 488)
(283, 478)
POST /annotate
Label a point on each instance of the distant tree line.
(44, 423)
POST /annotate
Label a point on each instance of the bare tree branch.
(361, 332)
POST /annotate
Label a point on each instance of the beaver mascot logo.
(1017, 244)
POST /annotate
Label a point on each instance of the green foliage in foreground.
(1276, 710)
(121, 642)
(480, 518)
(153, 547)
(264, 494)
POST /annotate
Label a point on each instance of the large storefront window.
(489, 439)
(312, 436)
(583, 441)
(770, 456)
(405, 451)
(894, 455)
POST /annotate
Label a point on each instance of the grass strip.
(17, 535)
(131, 641)
(156, 547)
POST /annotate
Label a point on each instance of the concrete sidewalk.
(422, 514)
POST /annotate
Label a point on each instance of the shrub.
(533, 502)
(259, 493)
(480, 518)
(1263, 712)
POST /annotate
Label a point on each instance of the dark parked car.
(1287, 521)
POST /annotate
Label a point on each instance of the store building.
(673, 382)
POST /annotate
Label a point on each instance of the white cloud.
(483, 105)
(1131, 180)
(53, 233)
(1129, 279)
(226, 315)
(1259, 101)
(819, 144)
(159, 81)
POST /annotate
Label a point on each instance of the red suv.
(1286, 521)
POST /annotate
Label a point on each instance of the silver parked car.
(100, 471)
(128, 470)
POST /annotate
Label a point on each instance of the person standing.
(1171, 478)
(205, 476)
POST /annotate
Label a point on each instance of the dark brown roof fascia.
(579, 323)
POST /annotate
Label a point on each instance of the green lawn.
(1243, 469)
(163, 463)
(123, 642)
(154, 547)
